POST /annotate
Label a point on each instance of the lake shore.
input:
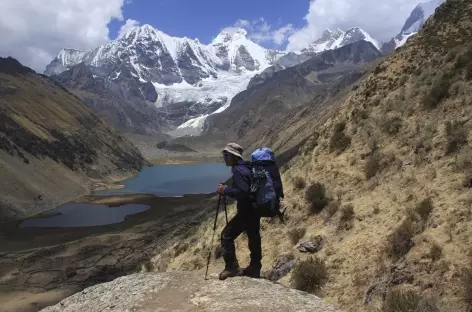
(46, 265)
(185, 160)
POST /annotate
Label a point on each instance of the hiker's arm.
(241, 187)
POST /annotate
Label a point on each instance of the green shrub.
(296, 234)
(457, 136)
(316, 196)
(309, 275)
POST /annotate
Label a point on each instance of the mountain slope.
(330, 39)
(176, 79)
(51, 144)
(125, 105)
(394, 169)
(412, 25)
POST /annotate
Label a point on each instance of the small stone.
(313, 245)
(282, 265)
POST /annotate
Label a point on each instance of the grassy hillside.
(51, 144)
(385, 182)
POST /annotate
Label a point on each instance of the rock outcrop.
(185, 291)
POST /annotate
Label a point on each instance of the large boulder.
(188, 291)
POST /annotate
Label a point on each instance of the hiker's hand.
(221, 189)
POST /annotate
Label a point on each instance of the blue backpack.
(263, 194)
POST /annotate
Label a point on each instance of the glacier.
(185, 73)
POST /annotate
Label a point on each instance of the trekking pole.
(212, 237)
(226, 210)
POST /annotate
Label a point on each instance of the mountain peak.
(328, 33)
(69, 51)
(11, 66)
(145, 30)
(413, 24)
(333, 39)
(230, 34)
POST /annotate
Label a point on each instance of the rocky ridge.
(179, 291)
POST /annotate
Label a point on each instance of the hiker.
(246, 219)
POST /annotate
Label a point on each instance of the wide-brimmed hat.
(235, 149)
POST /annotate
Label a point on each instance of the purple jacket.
(240, 189)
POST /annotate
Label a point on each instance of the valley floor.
(40, 267)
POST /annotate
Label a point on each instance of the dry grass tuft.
(435, 252)
(372, 165)
(296, 234)
(316, 196)
(409, 301)
(299, 183)
(391, 125)
(332, 208)
(466, 279)
(464, 159)
(401, 239)
(456, 134)
(424, 208)
(309, 275)
(346, 216)
(339, 141)
(437, 92)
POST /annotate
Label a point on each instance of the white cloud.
(35, 31)
(382, 19)
(260, 31)
(130, 24)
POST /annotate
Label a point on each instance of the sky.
(35, 31)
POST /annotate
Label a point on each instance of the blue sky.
(205, 18)
(35, 33)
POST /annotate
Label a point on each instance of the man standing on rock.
(246, 219)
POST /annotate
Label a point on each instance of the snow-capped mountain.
(64, 60)
(333, 39)
(191, 79)
(413, 24)
(329, 40)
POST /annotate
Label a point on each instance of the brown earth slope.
(51, 144)
(392, 211)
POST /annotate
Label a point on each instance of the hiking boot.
(251, 271)
(229, 272)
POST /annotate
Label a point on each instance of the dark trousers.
(244, 221)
